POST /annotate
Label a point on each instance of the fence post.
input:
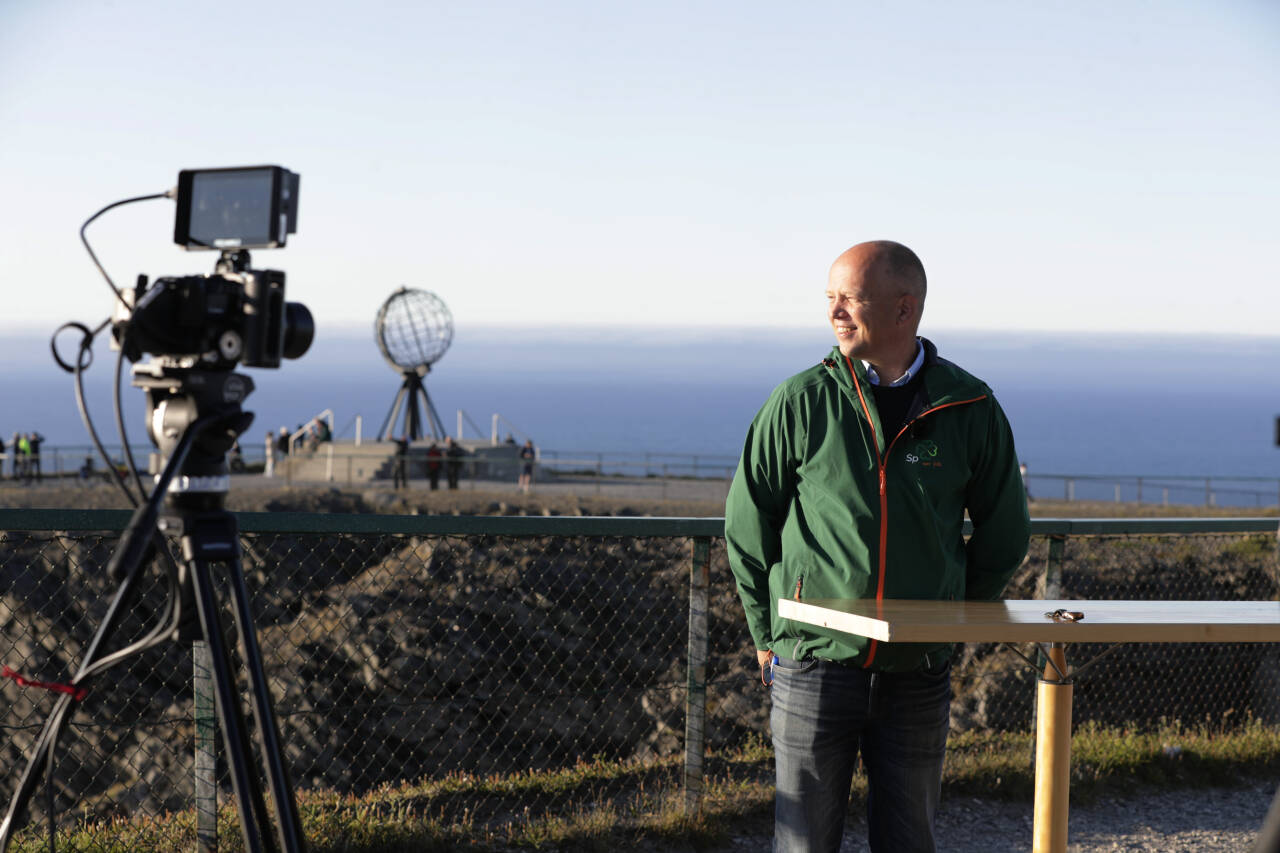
(1053, 571)
(206, 760)
(696, 695)
(1052, 589)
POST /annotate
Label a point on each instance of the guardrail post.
(696, 695)
(206, 760)
(1139, 491)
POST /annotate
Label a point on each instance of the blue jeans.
(824, 714)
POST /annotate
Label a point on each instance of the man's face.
(864, 310)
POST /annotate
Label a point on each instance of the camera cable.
(83, 239)
(117, 404)
(84, 357)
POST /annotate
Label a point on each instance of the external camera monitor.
(252, 207)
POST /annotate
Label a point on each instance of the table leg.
(1053, 754)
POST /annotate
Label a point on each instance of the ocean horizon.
(1103, 404)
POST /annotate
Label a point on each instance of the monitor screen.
(230, 208)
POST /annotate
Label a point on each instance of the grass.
(610, 805)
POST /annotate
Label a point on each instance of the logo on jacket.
(925, 453)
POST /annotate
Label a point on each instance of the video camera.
(197, 328)
(237, 315)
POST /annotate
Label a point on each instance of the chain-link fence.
(402, 649)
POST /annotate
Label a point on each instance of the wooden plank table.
(897, 621)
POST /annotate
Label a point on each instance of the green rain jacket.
(825, 505)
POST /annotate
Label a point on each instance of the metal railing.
(1182, 490)
(409, 647)
(1158, 489)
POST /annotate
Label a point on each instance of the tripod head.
(178, 397)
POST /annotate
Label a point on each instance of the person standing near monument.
(269, 468)
(854, 482)
(453, 466)
(400, 473)
(433, 465)
(527, 457)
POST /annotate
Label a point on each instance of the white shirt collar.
(874, 378)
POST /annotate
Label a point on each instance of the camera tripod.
(194, 417)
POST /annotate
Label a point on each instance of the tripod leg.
(255, 825)
(131, 562)
(290, 824)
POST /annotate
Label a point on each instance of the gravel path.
(1213, 820)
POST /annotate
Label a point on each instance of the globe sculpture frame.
(413, 329)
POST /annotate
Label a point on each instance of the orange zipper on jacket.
(881, 469)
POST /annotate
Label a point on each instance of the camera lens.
(299, 329)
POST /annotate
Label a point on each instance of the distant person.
(527, 456)
(3, 457)
(24, 455)
(1026, 481)
(16, 454)
(269, 469)
(400, 473)
(282, 442)
(236, 461)
(453, 467)
(511, 440)
(86, 470)
(323, 433)
(854, 481)
(434, 455)
(34, 439)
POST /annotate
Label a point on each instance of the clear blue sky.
(1069, 166)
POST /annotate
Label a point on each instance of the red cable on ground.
(77, 693)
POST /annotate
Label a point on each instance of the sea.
(1081, 404)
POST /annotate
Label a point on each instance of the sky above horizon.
(1085, 166)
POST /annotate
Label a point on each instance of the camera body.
(222, 320)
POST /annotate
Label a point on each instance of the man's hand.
(765, 658)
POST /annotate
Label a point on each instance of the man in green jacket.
(854, 483)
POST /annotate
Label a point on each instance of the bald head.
(890, 263)
(875, 295)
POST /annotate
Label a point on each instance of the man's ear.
(906, 308)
